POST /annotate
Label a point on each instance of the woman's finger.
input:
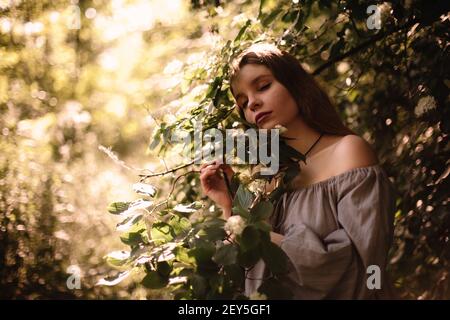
(227, 171)
(208, 172)
(204, 165)
(208, 165)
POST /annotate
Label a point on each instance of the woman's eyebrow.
(254, 81)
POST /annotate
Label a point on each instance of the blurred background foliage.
(76, 75)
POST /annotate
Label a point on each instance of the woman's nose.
(254, 104)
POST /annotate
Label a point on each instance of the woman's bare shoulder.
(351, 152)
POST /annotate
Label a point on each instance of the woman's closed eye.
(264, 87)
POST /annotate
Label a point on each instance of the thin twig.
(227, 183)
(143, 177)
(176, 180)
(116, 159)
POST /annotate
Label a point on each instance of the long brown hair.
(314, 105)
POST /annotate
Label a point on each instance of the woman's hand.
(213, 184)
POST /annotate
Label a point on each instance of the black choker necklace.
(313, 145)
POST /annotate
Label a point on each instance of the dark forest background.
(78, 75)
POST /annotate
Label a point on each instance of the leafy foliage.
(62, 94)
(381, 81)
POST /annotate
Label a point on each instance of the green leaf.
(155, 142)
(213, 87)
(274, 257)
(243, 198)
(164, 252)
(164, 268)
(226, 255)
(199, 285)
(134, 206)
(213, 234)
(261, 211)
(118, 207)
(117, 258)
(183, 255)
(267, 19)
(180, 225)
(203, 252)
(162, 231)
(337, 48)
(216, 284)
(166, 134)
(261, 6)
(163, 212)
(112, 281)
(128, 222)
(211, 229)
(137, 234)
(242, 31)
(241, 211)
(153, 280)
(289, 16)
(140, 227)
(145, 189)
(263, 225)
(301, 21)
(208, 269)
(210, 223)
(249, 258)
(132, 238)
(249, 238)
(235, 273)
(190, 208)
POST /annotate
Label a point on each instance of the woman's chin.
(267, 125)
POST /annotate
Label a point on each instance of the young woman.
(336, 221)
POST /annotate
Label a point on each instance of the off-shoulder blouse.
(335, 232)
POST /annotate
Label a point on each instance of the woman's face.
(264, 101)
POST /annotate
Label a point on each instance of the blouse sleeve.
(365, 206)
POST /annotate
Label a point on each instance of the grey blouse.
(333, 231)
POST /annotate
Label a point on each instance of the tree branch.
(143, 176)
(363, 45)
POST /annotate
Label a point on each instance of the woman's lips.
(260, 117)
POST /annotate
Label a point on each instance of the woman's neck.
(304, 136)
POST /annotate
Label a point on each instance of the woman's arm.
(276, 238)
(226, 212)
(215, 188)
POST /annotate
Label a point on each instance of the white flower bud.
(281, 128)
(424, 105)
(235, 225)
